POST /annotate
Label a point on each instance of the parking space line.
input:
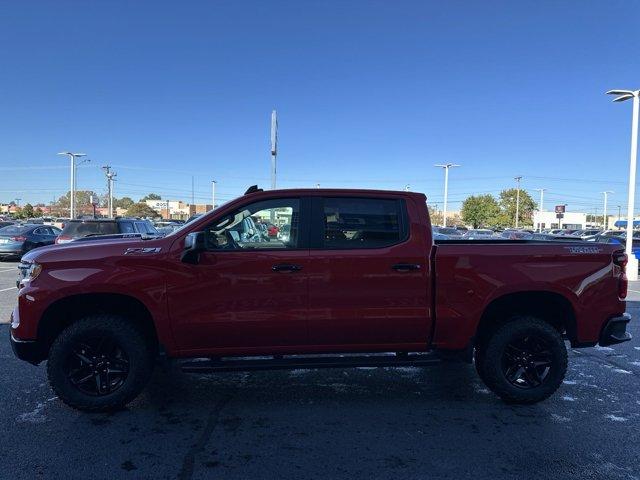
(9, 270)
(7, 289)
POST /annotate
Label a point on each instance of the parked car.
(450, 232)
(359, 274)
(6, 223)
(517, 235)
(479, 234)
(439, 236)
(284, 233)
(16, 240)
(95, 227)
(166, 230)
(60, 222)
(272, 230)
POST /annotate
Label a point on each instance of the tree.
(27, 211)
(480, 211)
(508, 208)
(151, 196)
(141, 209)
(124, 202)
(38, 212)
(83, 199)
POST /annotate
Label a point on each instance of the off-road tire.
(128, 338)
(491, 368)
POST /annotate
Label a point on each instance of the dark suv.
(75, 229)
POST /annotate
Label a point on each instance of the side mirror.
(194, 243)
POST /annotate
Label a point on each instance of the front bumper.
(615, 331)
(27, 350)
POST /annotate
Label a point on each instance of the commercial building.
(176, 209)
(574, 220)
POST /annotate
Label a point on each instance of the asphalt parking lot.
(408, 423)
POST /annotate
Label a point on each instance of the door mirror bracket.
(194, 244)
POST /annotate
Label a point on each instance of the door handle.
(406, 267)
(286, 267)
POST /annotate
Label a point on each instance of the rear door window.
(353, 223)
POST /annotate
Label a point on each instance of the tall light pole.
(446, 167)
(274, 147)
(632, 270)
(72, 156)
(110, 175)
(541, 207)
(213, 194)
(619, 208)
(604, 215)
(517, 179)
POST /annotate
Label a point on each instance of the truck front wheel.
(524, 361)
(99, 363)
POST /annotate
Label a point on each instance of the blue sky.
(369, 94)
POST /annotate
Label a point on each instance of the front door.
(368, 275)
(249, 291)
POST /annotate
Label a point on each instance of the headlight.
(29, 272)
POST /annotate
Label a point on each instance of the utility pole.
(604, 215)
(274, 147)
(109, 174)
(193, 196)
(517, 179)
(446, 167)
(213, 194)
(632, 265)
(541, 207)
(72, 188)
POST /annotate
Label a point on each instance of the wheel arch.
(552, 307)
(65, 311)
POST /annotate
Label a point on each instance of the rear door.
(368, 274)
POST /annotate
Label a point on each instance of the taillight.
(18, 239)
(620, 259)
(63, 239)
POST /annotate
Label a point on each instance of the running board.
(291, 362)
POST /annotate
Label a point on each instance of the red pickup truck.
(358, 273)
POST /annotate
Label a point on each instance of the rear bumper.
(615, 331)
(27, 350)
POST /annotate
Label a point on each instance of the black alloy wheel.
(527, 362)
(97, 366)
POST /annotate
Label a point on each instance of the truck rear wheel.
(99, 363)
(524, 361)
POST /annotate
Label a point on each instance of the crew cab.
(357, 273)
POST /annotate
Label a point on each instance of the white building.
(548, 219)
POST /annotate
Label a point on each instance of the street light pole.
(632, 270)
(274, 147)
(446, 167)
(72, 156)
(604, 215)
(213, 194)
(541, 207)
(518, 198)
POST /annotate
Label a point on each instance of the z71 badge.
(142, 250)
(584, 249)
